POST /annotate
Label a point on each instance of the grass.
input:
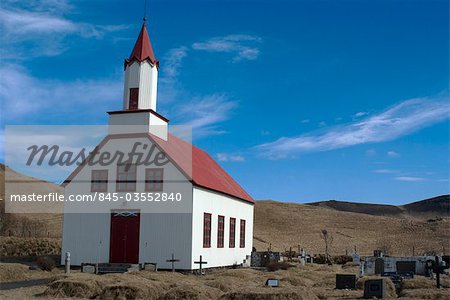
(309, 282)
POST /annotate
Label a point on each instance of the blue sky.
(298, 100)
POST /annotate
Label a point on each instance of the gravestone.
(201, 262)
(263, 258)
(379, 266)
(272, 282)
(345, 281)
(173, 260)
(152, 267)
(356, 258)
(88, 268)
(375, 288)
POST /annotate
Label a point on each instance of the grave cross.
(201, 263)
(173, 260)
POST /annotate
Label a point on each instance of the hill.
(287, 225)
(433, 207)
(283, 225)
(29, 224)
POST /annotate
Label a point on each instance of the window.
(134, 98)
(242, 235)
(206, 230)
(126, 178)
(154, 180)
(232, 232)
(99, 180)
(220, 231)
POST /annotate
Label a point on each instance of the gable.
(195, 164)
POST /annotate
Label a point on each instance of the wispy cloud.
(23, 95)
(173, 60)
(409, 178)
(386, 171)
(204, 113)
(360, 114)
(40, 29)
(225, 157)
(392, 154)
(242, 46)
(399, 120)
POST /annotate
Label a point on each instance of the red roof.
(204, 170)
(143, 48)
(193, 162)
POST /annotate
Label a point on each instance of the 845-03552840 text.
(97, 196)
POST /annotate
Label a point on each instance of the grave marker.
(173, 260)
(201, 263)
(345, 281)
(375, 288)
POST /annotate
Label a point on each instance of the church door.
(124, 241)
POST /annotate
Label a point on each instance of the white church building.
(213, 219)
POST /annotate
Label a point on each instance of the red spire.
(143, 48)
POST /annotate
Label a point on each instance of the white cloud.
(360, 114)
(40, 29)
(409, 178)
(393, 154)
(205, 112)
(230, 157)
(305, 121)
(385, 171)
(25, 97)
(399, 120)
(242, 46)
(172, 61)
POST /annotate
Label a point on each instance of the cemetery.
(283, 278)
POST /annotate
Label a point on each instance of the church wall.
(164, 226)
(132, 74)
(206, 201)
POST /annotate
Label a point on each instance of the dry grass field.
(308, 282)
(285, 225)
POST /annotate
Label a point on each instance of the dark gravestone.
(404, 267)
(379, 266)
(375, 288)
(345, 281)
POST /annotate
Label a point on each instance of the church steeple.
(141, 75)
(143, 48)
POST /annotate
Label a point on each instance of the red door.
(124, 245)
(134, 98)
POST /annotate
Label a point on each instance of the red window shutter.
(232, 242)
(206, 230)
(220, 231)
(242, 235)
(134, 98)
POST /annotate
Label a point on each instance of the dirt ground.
(308, 282)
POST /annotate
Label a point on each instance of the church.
(188, 205)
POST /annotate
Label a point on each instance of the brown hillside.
(28, 224)
(287, 225)
(428, 208)
(439, 206)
